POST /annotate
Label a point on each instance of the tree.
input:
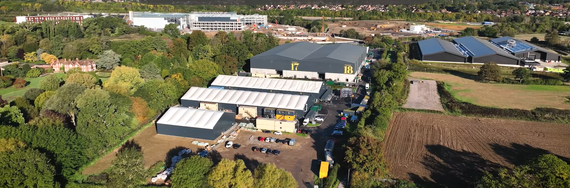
(26, 168)
(42, 98)
(268, 175)
(33, 73)
(522, 74)
(11, 115)
(552, 37)
(222, 174)
(171, 30)
(108, 60)
(534, 40)
(489, 72)
(468, 32)
(191, 172)
(86, 80)
(364, 154)
(158, 94)
(33, 93)
(242, 176)
(11, 144)
(30, 56)
(125, 77)
(50, 83)
(149, 72)
(127, 170)
(197, 38)
(140, 109)
(545, 171)
(29, 111)
(64, 100)
(48, 58)
(5, 82)
(20, 83)
(205, 69)
(2, 102)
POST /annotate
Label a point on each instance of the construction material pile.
(164, 174)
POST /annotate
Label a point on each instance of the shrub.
(33, 93)
(33, 73)
(5, 82)
(50, 83)
(20, 83)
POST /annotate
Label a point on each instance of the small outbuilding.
(195, 123)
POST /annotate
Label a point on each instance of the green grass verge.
(455, 92)
(301, 134)
(313, 125)
(546, 88)
(12, 92)
(80, 176)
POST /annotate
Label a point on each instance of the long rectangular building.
(525, 50)
(246, 103)
(194, 123)
(298, 87)
(204, 21)
(482, 51)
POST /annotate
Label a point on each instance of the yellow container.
(324, 170)
(280, 117)
(290, 118)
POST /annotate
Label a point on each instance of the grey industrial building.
(435, 49)
(245, 103)
(315, 89)
(524, 50)
(194, 123)
(465, 49)
(338, 62)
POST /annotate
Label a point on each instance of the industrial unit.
(338, 62)
(466, 49)
(204, 21)
(524, 50)
(275, 124)
(316, 89)
(435, 49)
(195, 123)
(249, 104)
(39, 19)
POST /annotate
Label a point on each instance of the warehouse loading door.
(248, 111)
(209, 106)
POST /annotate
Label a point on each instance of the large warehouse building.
(204, 21)
(525, 50)
(195, 123)
(315, 89)
(248, 104)
(435, 49)
(338, 62)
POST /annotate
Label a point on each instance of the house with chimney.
(64, 65)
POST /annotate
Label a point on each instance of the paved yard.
(423, 95)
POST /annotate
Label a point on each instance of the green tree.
(521, 74)
(468, 32)
(50, 83)
(26, 168)
(150, 72)
(86, 80)
(268, 175)
(171, 30)
(158, 94)
(205, 69)
(33, 93)
(42, 98)
(191, 172)
(108, 60)
(33, 73)
(197, 38)
(489, 72)
(534, 40)
(364, 154)
(11, 144)
(64, 100)
(11, 115)
(222, 174)
(566, 74)
(242, 176)
(127, 78)
(552, 37)
(29, 110)
(127, 170)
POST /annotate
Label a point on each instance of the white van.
(305, 121)
(367, 86)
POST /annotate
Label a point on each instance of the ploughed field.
(440, 150)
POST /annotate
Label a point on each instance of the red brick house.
(67, 64)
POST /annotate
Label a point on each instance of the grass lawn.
(540, 36)
(502, 95)
(313, 125)
(12, 93)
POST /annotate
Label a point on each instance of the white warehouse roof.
(268, 84)
(247, 98)
(190, 117)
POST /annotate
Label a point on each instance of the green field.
(12, 93)
(540, 36)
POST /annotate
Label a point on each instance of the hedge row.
(451, 104)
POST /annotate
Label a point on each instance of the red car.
(261, 139)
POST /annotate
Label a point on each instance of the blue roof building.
(525, 50)
(482, 51)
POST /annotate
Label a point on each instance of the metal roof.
(435, 45)
(158, 15)
(306, 50)
(190, 117)
(247, 98)
(527, 46)
(480, 47)
(268, 84)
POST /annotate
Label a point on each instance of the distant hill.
(282, 2)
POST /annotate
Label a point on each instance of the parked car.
(291, 142)
(272, 139)
(279, 141)
(268, 139)
(254, 149)
(278, 133)
(269, 151)
(286, 141)
(319, 118)
(263, 150)
(306, 122)
(203, 153)
(229, 144)
(266, 131)
(236, 146)
(261, 138)
(337, 133)
(276, 152)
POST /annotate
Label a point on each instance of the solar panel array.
(464, 50)
(519, 47)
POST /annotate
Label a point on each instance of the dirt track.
(440, 150)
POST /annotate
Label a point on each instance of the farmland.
(448, 151)
(502, 95)
(451, 26)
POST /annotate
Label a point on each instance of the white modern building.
(204, 21)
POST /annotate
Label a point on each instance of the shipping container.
(285, 112)
(209, 106)
(324, 170)
(269, 112)
(289, 118)
(248, 111)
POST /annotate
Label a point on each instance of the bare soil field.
(423, 95)
(297, 159)
(365, 25)
(502, 95)
(155, 148)
(456, 27)
(447, 151)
